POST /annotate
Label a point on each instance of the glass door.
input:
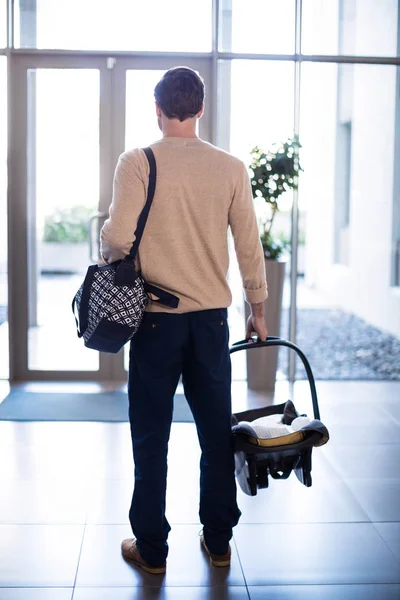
(72, 118)
(61, 179)
(63, 195)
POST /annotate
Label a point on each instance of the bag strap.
(162, 297)
(84, 304)
(145, 212)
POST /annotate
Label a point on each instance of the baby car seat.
(275, 440)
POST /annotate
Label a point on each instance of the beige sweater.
(200, 191)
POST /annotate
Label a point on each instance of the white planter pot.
(262, 363)
(63, 257)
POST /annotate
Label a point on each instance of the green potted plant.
(273, 173)
(65, 242)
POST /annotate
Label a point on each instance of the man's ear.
(201, 111)
(158, 110)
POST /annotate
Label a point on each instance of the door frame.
(18, 250)
(112, 70)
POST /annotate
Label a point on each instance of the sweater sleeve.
(129, 197)
(249, 252)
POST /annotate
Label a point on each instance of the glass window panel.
(350, 123)
(141, 127)
(63, 194)
(350, 27)
(3, 223)
(250, 115)
(262, 104)
(257, 26)
(176, 25)
(3, 23)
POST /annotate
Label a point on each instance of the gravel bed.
(340, 345)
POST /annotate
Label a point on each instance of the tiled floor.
(65, 491)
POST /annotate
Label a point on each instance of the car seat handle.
(271, 341)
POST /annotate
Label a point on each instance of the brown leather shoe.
(217, 560)
(131, 554)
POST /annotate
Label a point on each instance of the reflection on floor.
(65, 492)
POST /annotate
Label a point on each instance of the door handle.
(94, 232)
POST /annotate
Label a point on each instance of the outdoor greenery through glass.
(68, 225)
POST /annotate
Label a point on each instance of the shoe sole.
(215, 563)
(152, 570)
(220, 563)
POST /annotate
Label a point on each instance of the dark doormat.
(104, 406)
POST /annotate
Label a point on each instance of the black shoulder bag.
(112, 300)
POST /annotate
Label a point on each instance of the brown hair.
(180, 93)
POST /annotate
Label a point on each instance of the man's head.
(179, 97)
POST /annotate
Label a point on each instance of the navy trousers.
(194, 345)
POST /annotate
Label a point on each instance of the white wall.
(362, 287)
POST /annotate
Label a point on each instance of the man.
(200, 191)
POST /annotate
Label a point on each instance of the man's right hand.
(256, 326)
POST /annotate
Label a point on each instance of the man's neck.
(177, 129)
(177, 133)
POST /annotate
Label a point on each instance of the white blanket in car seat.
(272, 427)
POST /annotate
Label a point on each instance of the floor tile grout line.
(291, 523)
(222, 586)
(80, 551)
(79, 560)
(390, 415)
(356, 501)
(326, 585)
(241, 566)
(36, 587)
(358, 522)
(45, 523)
(201, 586)
(383, 539)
